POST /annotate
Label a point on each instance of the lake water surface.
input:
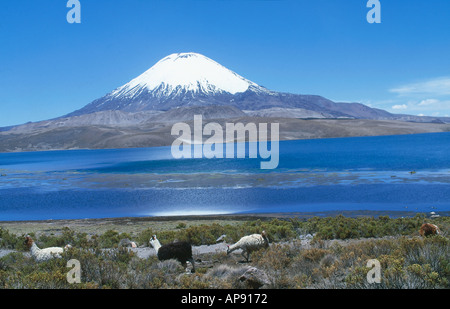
(386, 173)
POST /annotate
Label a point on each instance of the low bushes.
(335, 258)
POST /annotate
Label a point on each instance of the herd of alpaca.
(182, 250)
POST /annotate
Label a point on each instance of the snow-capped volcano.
(180, 86)
(181, 79)
(185, 80)
(186, 72)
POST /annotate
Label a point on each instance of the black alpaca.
(181, 251)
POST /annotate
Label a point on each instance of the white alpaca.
(250, 243)
(43, 254)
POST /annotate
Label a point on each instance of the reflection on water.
(392, 172)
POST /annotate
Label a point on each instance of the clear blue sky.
(49, 67)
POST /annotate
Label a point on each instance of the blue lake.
(386, 173)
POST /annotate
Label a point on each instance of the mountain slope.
(183, 79)
(182, 85)
(185, 114)
(191, 79)
(149, 134)
(103, 118)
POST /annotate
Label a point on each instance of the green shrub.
(11, 241)
(407, 260)
(111, 239)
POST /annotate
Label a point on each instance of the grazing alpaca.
(428, 229)
(250, 243)
(181, 250)
(43, 254)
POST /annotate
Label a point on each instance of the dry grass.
(407, 260)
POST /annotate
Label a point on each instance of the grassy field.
(314, 252)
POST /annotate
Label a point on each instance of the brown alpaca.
(428, 229)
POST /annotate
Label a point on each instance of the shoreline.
(138, 224)
(290, 129)
(282, 139)
(240, 216)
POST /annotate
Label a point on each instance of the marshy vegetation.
(320, 252)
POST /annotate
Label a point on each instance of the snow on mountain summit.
(185, 72)
(185, 83)
(181, 79)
